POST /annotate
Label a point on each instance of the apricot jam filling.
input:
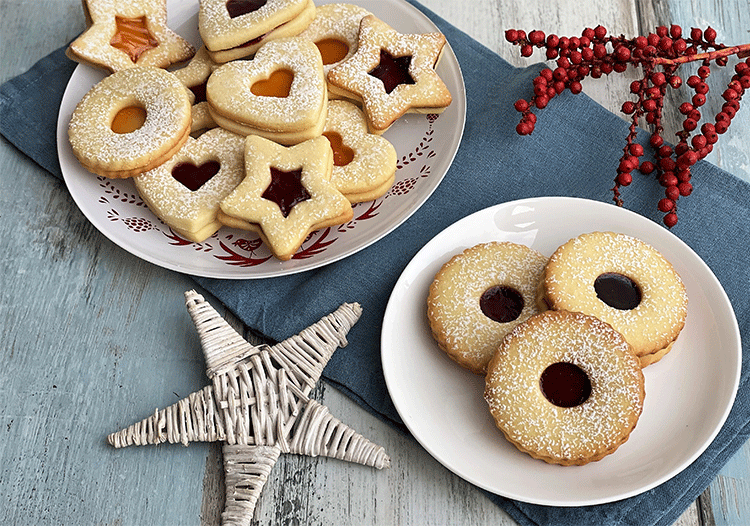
(128, 119)
(277, 84)
(133, 37)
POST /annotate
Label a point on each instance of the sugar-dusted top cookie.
(622, 281)
(281, 90)
(392, 73)
(226, 24)
(364, 164)
(120, 35)
(185, 191)
(286, 193)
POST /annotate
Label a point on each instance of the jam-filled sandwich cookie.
(185, 191)
(392, 73)
(479, 296)
(565, 388)
(279, 95)
(335, 30)
(624, 282)
(286, 194)
(364, 164)
(195, 77)
(121, 35)
(130, 122)
(238, 28)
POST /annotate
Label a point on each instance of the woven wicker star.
(258, 404)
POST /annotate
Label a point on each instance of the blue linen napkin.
(573, 152)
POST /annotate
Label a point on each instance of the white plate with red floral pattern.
(689, 393)
(425, 146)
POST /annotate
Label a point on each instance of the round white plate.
(688, 393)
(425, 144)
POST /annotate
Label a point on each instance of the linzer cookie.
(185, 191)
(622, 281)
(279, 95)
(130, 122)
(195, 76)
(392, 73)
(238, 28)
(335, 30)
(286, 194)
(121, 35)
(565, 388)
(479, 296)
(364, 164)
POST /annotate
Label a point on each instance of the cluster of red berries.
(595, 53)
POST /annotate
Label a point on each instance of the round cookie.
(622, 281)
(150, 109)
(496, 278)
(565, 388)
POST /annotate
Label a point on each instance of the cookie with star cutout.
(121, 35)
(392, 73)
(286, 194)
(185, 191)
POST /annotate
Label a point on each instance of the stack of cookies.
(561, 341)
(274, 126)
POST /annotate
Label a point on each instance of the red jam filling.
(237, 8)
(392, 71)
(192, 176)
(618, 291)
(133, 37)
(501, 303)
(286, 189)
(565, 384)
(200, 92)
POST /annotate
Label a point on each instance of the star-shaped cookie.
(286, 194)
(392, 73)
(120, 35)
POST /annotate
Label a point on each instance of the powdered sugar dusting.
(167, 107)
(660, 316)
(565, 435)
(456, 318)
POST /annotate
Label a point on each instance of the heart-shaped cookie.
(290, 119)
(185, 191)
(364, 163)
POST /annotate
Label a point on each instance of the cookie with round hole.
(479, 296)
(130, 122)
(623, 281)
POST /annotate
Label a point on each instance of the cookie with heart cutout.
(392, 73)
(236, 24)
(280, 94)
(335, 30)
(286, 194)
(364, 164)
(185, 192)
(121, 35)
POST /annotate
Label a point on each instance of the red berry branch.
(595, 53)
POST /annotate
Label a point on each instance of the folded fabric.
(573, 151)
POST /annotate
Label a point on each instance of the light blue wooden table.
(91, 336)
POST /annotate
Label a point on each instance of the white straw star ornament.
(258, 404)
